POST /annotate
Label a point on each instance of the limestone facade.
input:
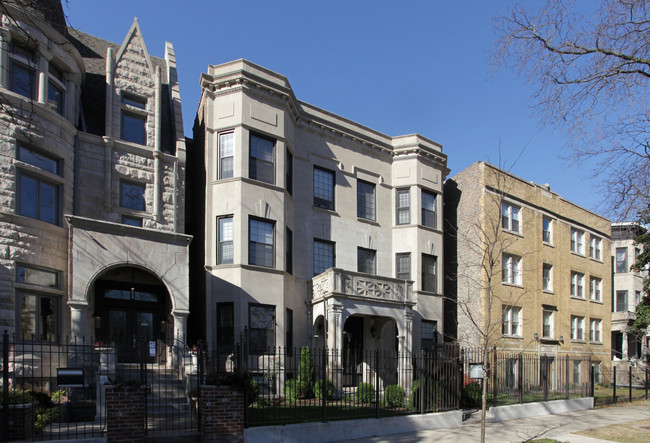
(92, 160)
(338, 208)
(532, 269)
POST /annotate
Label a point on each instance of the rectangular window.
(403, 266)
(548, 325)
(365, 200)
(226, 235)
(577, 328)
(37, 317)
(595, 330)
(595, 248)
(429, 335)
(134, 122)
(547, 230)
(577, 285)
(403, 203)
(261, 328)
(55, 89)
(38, 198)
(41, 160)
(288, 252)
(226, 326)
(512, 373)
(366, 261)
(429, 217)
(637, 298)
(596, 366)
(323, 188)
(576, 371)
(37, 277)
(621, 260)
(510, 220)
(288, 330)
(547, 277)
(637, 251)
(511, 269)
(288, 173)
(621, 301)
(132, 195)
(260, 245)
(22, 71)
(429, 273)
(226, 155)
(595, 289)
(577, 241)
(323, 256)
(132, 221)
(261, 166)
(511, 321)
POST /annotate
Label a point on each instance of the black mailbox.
(70, 378)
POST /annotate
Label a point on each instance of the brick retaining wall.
(125, 415)
(222, 414)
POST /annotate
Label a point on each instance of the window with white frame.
(365, 200)
(226, 155)
(429, 273)
(596, 366)
(547, 277)
(577, 328)
(595, 248)
(547, 230)
(260, 243)
(510, 217)
(511, 320)
(595, 289)
(226, 235)
(576, 371)
(37, 311)
(548, 321)
(595, 330)
(403, 206)
(511, 269)
(56, 89)
(637, 251)
(577, 285)
(637, 298)
(288, 250)
(262, 158)
(621, 301)
(429, 336)
(429, 217)
(403, 266)
(577, 241)
(22, 70)
(38, 195)
(621, 260)
(323, 188)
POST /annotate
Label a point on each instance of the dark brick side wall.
(125, 415)
(222, 414)
(21, 422)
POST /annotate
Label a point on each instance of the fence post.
(614, 381)
(421, 387)
(629, 383)
(520, 377)
(5, 385)
(545, 377)
(324, 383)
(592, 380)
(459, 375)
(646, 383)
(494, 376)
(377, 383)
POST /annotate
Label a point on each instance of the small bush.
(329, 389)
(471, 394)
(18, 397)
(253, 391)
(292, 390)
(394, 396)
(432, 391)
(365, 392)
(306, 373)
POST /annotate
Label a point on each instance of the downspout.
(157, 164)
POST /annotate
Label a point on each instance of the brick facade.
(222, 414)
(125, 415)
(20, 423)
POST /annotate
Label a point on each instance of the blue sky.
(397, 67)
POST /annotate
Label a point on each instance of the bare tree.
(592, 72)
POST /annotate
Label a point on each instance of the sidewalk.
(559, 427)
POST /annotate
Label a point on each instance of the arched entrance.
(132, 313)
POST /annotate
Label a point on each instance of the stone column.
(334, 316)
(78, 319)
(5, 39)
(180, 329)
(625, 354)
(405, 348)
(44, 55)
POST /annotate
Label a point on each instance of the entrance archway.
(132, 311)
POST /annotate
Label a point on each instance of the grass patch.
(633, 432)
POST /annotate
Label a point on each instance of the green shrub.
(253, 391)
(306, 373)
(19, 397)
(329, 389)
(394, 396)
(292, 390)
(432, 391)
(471, 394)
(365, 392)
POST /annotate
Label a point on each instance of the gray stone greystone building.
(92, 160)
(318, 231)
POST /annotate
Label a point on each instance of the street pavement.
(559, 427)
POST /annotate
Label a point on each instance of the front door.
(352, 351)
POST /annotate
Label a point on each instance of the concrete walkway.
(559, 427)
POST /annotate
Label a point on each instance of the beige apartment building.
(531, 269)
(311, 229)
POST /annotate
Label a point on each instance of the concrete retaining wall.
(510, 412)
(337, 430)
